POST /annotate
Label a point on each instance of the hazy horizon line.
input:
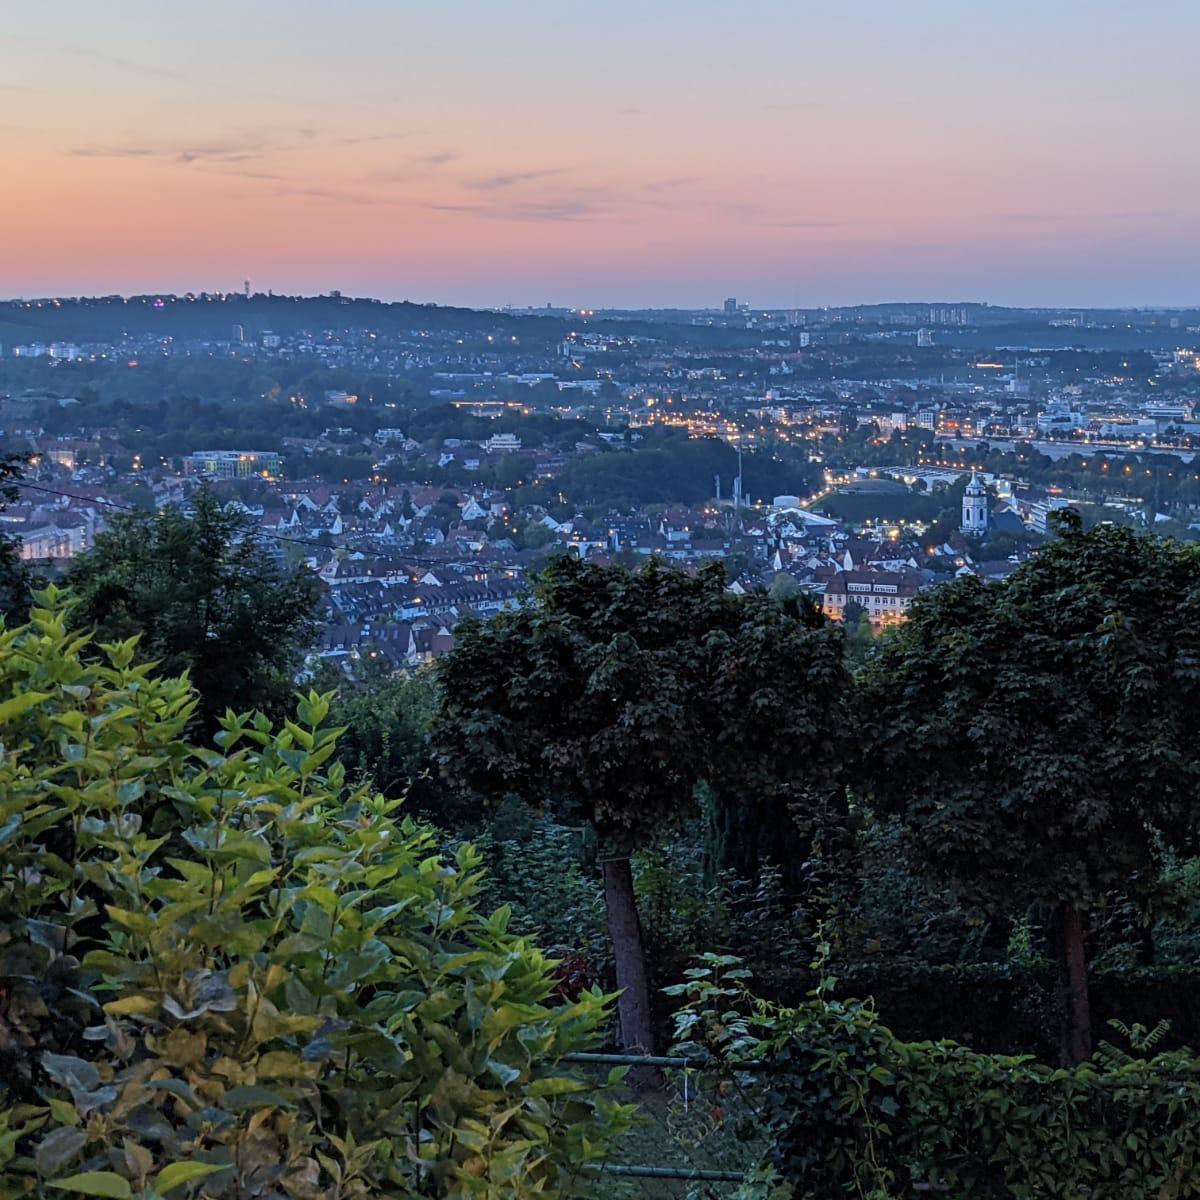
(534, 308)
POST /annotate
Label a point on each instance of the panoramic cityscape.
(600, 602)
(423, 462)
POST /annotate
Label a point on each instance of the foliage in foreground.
(386, 718)
(854, 1111)
(225, 972)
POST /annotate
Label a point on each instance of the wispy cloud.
(362, 139)
(248, 173)
(285, 188)
(114, 152)
(498, 198)
(672, 184)
(412, 167)
(219, 152)
(579, 207)
(394, 175)
(71, 50)
(336, 195)
(246, 148)
(1031, 216)
(508, 179)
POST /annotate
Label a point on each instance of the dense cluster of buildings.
(422, 533)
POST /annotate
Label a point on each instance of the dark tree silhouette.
(1038, 736)
(616, 693)
(204, 595)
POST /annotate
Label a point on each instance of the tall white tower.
(974, 510)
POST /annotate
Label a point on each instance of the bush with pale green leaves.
(224, 973)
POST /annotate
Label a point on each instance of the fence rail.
(701, 1134)
(698, 1126)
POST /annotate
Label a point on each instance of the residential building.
(885, 596)
(234, 464)
(502, 443)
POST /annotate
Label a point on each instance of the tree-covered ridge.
(211, 316)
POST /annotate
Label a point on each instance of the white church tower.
(974, 510)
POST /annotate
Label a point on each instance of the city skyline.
(651, 157)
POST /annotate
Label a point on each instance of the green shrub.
(854, 1111)
(224, 972)
(554, 896)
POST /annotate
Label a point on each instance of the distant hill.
(212, 317)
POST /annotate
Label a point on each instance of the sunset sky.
(632, 153)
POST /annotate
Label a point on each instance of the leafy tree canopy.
(1037, 736)
(616, 694)
(386, 717)
(205, 597)
(15, 579)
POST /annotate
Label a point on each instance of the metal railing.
(698, 1131)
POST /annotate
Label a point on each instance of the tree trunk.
(1077, 1018)
(1146, 948)
(633, 1005)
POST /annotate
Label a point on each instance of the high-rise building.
(940, 314)
(731, 307)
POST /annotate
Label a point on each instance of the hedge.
(851, 1109)
(856, 1111)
